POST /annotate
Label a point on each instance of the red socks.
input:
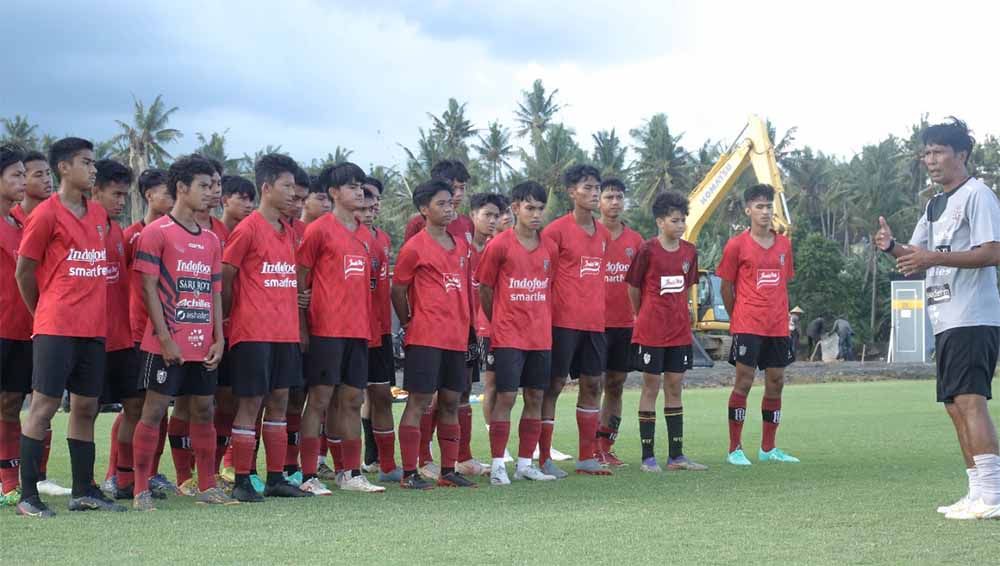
(275, 436)
(385, 441)
(528, 431)
(336, 448)
(499, 435)
(737, 414)
(223, 435)
(465, 439)
(124, 472)
(294, 424)
(161, 442)
(448, 437)
(180, 448)
(310, 455)
(113, 455)
(587, 421)
(350, 454)
(409, 447)
(770, 410)
(426, 434)
(10, 454)
(203, 446)
(545, 441)
(244, 441)
(144, 443)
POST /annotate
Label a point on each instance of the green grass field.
(877, 459)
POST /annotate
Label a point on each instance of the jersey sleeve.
(984, 218)
(238, 245)
(406, 265)
(919, 237)
(553, 238)
(217, 267)
(147, 257)
(413, 227)
(489, 265)
(637, 271)
(729, 265)
(312, 245)
(37, 235)
(692, 274)
(791, 263)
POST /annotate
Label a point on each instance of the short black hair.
(151, 178)
(668, 202)
(315, 186)
(110, 171)
(954, 134)
(369, 180)
(450, 170)
(65, 150)
(577, 173)
(367, 193)
(302, 178)
(184, 170)
(760, 191)
(480, 200)
(612, 184)
(216, 164)
(340, 174)
(425, 192)
(529, 189)
(234, 184)
(33, 155)
(269, 167)
(505, 201)
(9, 155)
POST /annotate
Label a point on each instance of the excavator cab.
(711, 309)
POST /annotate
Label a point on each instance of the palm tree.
(339, 155)
(609, 154)
(452, 128)
(783, 146)
(430, 150)
(555, 151)
(145, 138)
(494, 151)
(214, 147)
(535, 111)
(661, 164)
(20, 132)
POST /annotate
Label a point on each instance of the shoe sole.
(450, 484)
(414, 488)
(594, 472)
(685, 468)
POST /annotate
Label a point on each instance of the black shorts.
(259, 368)
(578, 352)
(15, 366)
(522, 368)
(65, 362)
(189, 378)
(225, 370)
(966, 360)
(619, 349)
(426, 369)
(381, 364)
(337, 361)
(660, 359)
(761, 352)
(486, 358)
(122, 379)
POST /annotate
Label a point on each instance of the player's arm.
(219, 344)
(636, 276)
(27, 281)
(229, 273)
(302, 274)
(486, 300)
(635, 297)
(728, 296)
(401, 304)
(170, 351)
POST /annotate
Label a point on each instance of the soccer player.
(457, 176)
(317, 203)
(756, 267)
(956, 243)
(489, 394)
(260, 299)
(238, 196)
(334, 263)
(622, 247)
(15, 327)
(379, 422)
(61, 275)
(430, 297)
(181, 266)
(506, 219)
(514, 276)
(38, 184)
(580, 243)
(658, 282)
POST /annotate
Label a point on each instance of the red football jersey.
(340, 271)
(189, 267)
(520, 279)
(380, 287)
(219, 229)
(72, 269)
(18, 213)
(761, 278)
(461, 228)
(664, 278)
(265, 289)
(476, 313)
(119, 327)
(578, 287)
(299, 229)
(136, 306)
(15, 320)
(438, 293)
(621, 252)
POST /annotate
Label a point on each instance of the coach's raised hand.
(883, 236)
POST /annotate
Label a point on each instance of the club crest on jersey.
(590, 266)
(452, 282)
(629, 252)
(768, 277)
(686, 266)
(354, 265)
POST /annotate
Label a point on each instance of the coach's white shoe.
(974, 510)
(498, 474)
(51, 488)
(557, 456)
(532, 473)
(360, 483)
(956, 506)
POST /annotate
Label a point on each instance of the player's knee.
(202, 411)
(533, 399)
(10, 406)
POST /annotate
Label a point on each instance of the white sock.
(988, 476)
(973, 484)
(497, 462)
(523, 463)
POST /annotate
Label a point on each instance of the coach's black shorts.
(761, 352)
(582, 351)
(966, 360)
(426, 369)
(522, 368)
(337, 361)
(65, 362)
(122, 376)
(486, 359)
(259, 368)
(619, 349)
(381, 363)
(657, 360)
(189, 378)
(15, 366)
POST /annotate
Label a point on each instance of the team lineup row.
(273, 326)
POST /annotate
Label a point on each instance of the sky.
(310, 75)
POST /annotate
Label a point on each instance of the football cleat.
(325, 472)
(390, 477)
(550, 468)
(532, 473)
(959, 505)
(284, 489)
(360, 483)
(144, 502)
(10, 498)
(315, 487)
(776, 455)
(650, 465)
(472, 467)
(609, 459)
(294, 479)
(591, 467)
(498, 475)
(52, 489)
(34, 508)
(160, 483)
(430, 471)
(94, 500)
(257, 483)
(189, 488)
(214, 496)
(738, 458)
(245, 493)
(683, 463)
(370, 468)
(414, 481)
(455, 479)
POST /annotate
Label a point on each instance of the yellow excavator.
(752, 148)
